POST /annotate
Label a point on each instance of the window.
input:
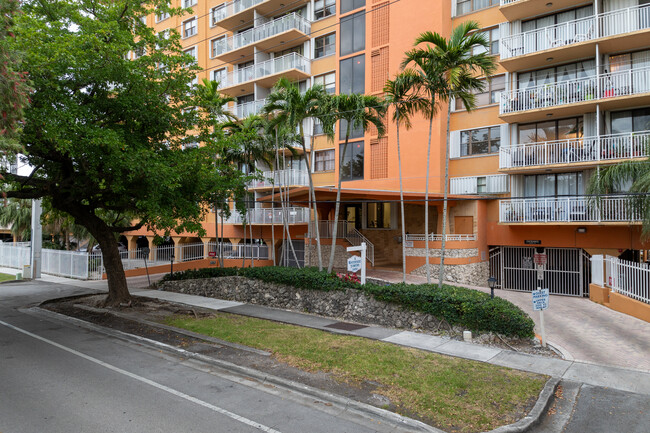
(630, 121)
(491, 89)
(354, 132)
(353, 33)
(350, 5)
(572, 71)
(324, 8)
(189, 3)
(325, 46)
(220, 76)
(378, 216)
(218, 46)
(481, 184)
(217, 13)
(193, 52)
(189, 28)
(139, 52)
(298, 49)
(492, 36)
(480, 141)
(551, 185)
(467, 6)
(162, 16)
(558, 18)
(318, 127)
(352, 164)
(328, 81)
(353, 75)
(324, 160)
(552, 130)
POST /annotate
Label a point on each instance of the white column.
(37, 239)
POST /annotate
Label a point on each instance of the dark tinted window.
(353, 33)
(350, 5)
(352, 79)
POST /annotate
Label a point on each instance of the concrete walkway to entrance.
(581, 329)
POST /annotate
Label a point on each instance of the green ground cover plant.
(453, 394)
(471, 309)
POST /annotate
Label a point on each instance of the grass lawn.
(6, 277)
(453, 394)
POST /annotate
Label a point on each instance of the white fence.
(268, 67)
(263, 31)
(290, 177)
(438, 237)
(248, 108)
(231, 8)
(293, 215)
(622, 276)
(571, 32)
(587, 149)
(494, 184)
(568, 209)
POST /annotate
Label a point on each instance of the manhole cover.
(346, 326)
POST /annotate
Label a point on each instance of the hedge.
(461, 306)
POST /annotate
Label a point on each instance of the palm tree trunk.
(273, 223)
(216, 230)
(441, 273)
(312, 196)
(250, 231)
(337, 205)
(221, 244)
(401, 202)
(285, 222)
(426, 199)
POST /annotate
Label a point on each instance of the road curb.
(535, 415)
(346, 404)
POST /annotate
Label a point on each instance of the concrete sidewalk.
(598, 375)
(581, 329)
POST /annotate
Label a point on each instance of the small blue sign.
(540, 300)
(354, 264)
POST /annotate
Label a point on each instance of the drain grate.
(346, 326)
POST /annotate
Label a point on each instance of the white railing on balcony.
(588, 149)
(602, 86)
(568, 209)
(622, 276)
(268, 67)
(344, 230)
(294, 215)
(248, 108)
(261, 32)
(507, 2)
(232, 8)
(494, 184)
(603, 25)
(438, 237)
(289, 177)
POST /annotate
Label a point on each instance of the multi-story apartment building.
(570, 95)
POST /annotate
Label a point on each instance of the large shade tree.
(450, 69)
(109, 116)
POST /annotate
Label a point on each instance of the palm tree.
(402, 93)
(17, 214)
(290, 107)
(213, 103)
(449, 71)
(358, 111)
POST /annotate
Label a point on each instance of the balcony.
(240, 82)
(612, 90)
(623, 29)
(572, 209)
(232, 14)
(248, 108)
(494, 184)
(281, 177)
(292, 27)
(517, 9)
(587, 151)
(294, 215)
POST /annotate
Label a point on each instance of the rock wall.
(351, 304)
(474, 274)
(340, 256)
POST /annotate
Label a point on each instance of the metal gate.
(288, 259)
(567, 270)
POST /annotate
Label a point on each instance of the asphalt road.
(57, 377)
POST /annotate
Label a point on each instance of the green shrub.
(461, 306)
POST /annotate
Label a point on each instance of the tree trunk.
(441, 272)
(216, 231)
(426, 200)
(312, 197)
(337, 205)
(401, 201)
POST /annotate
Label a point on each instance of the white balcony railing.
(494, 184)
(506, 2)
(261, 32)
(570, 151)
(598, 26)
(438, 237)
(634, 81)
(568, 209)
(294, 215)
(282, 177)
(248, 108)
(268, 67)
(231, 8)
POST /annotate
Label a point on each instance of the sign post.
(355, 262)
(540, 303)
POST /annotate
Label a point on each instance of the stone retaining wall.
(340, 255)
(474, 274)
(436, 252)
(351, 304)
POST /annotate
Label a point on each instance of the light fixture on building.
(549, 4)
(581, 229)
(549, 59)
(549, 115)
